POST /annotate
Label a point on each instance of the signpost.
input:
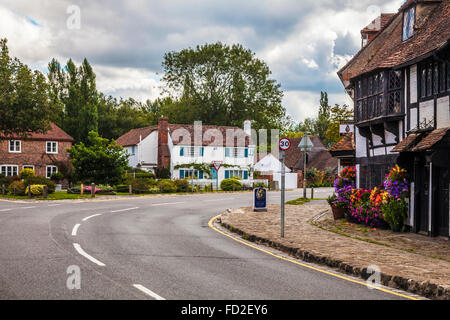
(217, 165)
(305, 145)
(284, 144)
(259, 199)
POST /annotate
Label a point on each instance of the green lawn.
(300, 201)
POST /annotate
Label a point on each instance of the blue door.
(213, 173)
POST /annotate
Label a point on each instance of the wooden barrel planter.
(338, 213)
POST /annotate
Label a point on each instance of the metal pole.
(304, 172)
(283, 173)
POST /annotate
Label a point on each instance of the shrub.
(6, 180)
(182, 185)
(19, 187)
(51, 186)
(167, 186)
(163, 173)
(36, 189)
(231, 185)
(141, 185)
(122, 188)
(57, 176)
(25, 173)
(394, 212)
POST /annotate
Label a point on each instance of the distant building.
(270, 167)
(400, 84)
(42, 152)
(344, 151)
(173, 146)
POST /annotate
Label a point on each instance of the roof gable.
(54, 134)
(387, 50)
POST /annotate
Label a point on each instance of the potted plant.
(338, 208)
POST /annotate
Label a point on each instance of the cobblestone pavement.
(409, 271)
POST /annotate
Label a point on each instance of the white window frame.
(15, 145)
(28, 166)
(53, 143)
(53, 171)
(6, 169)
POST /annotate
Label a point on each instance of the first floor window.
(28, 167)
(51, 170)
(15, 146)
(52, 147)
(9, 170)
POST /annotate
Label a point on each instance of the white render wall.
(426, 110)
(360, 145)
(413, 84)
(443, 112)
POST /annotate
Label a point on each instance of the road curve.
(148, 248)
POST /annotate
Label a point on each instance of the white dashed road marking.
(75, 229)
(84, 254)
(94, 215)
(128, 209)
(148, 292)
(166, 203)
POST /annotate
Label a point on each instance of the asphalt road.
(148, 248)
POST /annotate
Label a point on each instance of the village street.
(158, 247)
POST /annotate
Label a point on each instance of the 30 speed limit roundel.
(285, 144)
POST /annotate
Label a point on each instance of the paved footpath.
(399, 269)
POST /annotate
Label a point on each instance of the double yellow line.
(211, 225)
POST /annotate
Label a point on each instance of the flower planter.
(338, 213)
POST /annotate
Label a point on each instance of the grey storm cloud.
(303, 42)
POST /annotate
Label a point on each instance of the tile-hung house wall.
(400, 84)
(40, 152)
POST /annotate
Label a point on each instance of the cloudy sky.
(303, 42)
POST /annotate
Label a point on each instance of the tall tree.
(338, 114)
(24, 106)
(74, 94)
(223, 85)
(323, 118)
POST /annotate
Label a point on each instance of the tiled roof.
(406, 143)
(383, 19)
(418, 142)
(55, 134)
(134, 136)
(387, 49)
(322, 161)
(294, 157)
(347, 143)
(206, 140)
(431, 139)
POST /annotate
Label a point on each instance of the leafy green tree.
(24, 105)
(100, 160)
(222, 85)
(323, 119)
(74, 94)
(338, 114)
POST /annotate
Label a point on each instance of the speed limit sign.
(285, 144)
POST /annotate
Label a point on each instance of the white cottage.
(182, 148)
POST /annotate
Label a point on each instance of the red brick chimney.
(163, 143)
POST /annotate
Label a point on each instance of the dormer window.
(409, 18)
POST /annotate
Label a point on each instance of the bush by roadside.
(231, 185)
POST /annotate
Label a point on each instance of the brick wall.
(34, 153)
